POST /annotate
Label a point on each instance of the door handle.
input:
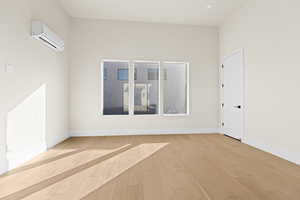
(239, 106)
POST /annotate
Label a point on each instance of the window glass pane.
(123, 74)
(175, 88)
(116, 88)
(146, 88)
(153, 74)
(105, 74)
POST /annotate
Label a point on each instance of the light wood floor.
(173, 167)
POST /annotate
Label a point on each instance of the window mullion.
(187, 65)
(161, 90)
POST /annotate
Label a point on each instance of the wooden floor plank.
(170, 167)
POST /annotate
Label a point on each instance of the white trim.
(244, 95)
(175, 62)
(233, 53)
(146, 61)
(114, 60)
(175, 115)
(102, 83)
(132, 116)
(244, 90)
(131, 69)
(159, 86)
(144, 132)
(160, 102)
(146, 115)
(188, 88)
(101, 87)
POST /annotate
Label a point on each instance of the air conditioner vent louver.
(47, 42)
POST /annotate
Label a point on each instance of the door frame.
(242, 51)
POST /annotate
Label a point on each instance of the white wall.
(93, 40)
(35, 65)
(269, 32)
(26, 128)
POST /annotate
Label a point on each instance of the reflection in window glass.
(153, 74)
(116, 88)
(105, 74)
(175, 88)
(146, 88)
(123, 74)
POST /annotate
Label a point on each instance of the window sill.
(175, 115)
(150, 115)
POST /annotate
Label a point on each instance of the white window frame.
(102, 86)
(131, 68)
(159, 86)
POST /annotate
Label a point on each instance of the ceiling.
(194, 12)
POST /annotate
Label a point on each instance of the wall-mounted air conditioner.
(42, 33)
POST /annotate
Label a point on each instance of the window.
(165, 75)
(175, 88)
(115, 88)
(123, 74)
(146, 88)
(134, 88)
(153, 74)
(105, 73)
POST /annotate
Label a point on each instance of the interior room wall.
(93, 40)
(33, 66)
(269, 33)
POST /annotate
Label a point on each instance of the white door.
(233, 108)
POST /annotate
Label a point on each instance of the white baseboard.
(292, 157)
(143, 132)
